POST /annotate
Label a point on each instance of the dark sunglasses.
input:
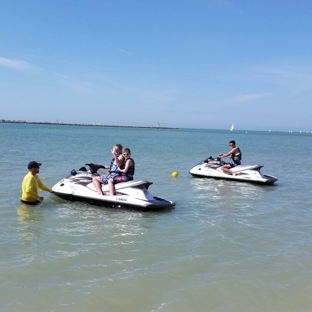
(126, 154)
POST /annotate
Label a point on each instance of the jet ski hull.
(158, 204)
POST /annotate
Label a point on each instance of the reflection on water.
(28, 229)
(29, 213)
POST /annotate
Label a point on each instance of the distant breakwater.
(81, 124)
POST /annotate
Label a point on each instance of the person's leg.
(115, 180)
(97, 184)
(111, 186)
(225, 168)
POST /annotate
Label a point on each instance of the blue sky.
(187, 64)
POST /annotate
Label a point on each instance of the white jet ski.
(211, 168)
(78, 186)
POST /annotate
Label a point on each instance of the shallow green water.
(225, 246)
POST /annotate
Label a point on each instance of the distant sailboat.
(232, 128)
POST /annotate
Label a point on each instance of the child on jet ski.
(127, 171)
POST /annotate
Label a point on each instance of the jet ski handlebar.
(94, 167)
(214, 160)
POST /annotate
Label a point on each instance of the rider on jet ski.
(113, 173)
(235, 158)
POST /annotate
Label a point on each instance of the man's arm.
(42, 186)
(119, 160)
(229, 153)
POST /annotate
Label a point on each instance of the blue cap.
(34, 164)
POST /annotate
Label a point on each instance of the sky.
(180, 63)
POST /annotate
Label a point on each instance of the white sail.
(232, 128)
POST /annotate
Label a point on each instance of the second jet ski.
(211, 168)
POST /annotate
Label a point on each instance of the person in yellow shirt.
(31, 183)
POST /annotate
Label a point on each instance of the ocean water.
(226, 246)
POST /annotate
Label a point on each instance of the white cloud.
(242, 98)
(76, 86)
(123, 51)
(15, 64)
(229, 103)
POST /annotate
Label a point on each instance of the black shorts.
(30, 202)
(231, 165)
